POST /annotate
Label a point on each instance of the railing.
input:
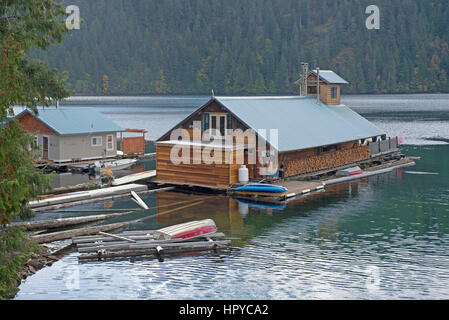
(383, 146)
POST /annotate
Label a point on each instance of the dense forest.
(252, 46)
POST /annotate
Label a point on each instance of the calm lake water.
(385, 237)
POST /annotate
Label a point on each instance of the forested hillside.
(252, 46)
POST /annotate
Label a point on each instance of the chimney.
(304, 74)
(317, 85)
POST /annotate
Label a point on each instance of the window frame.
(112, 142)
(98, 138)
(334, 90)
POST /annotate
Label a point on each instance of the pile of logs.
(326, 160)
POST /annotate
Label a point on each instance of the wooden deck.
(294, 188)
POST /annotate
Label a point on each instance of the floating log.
(116, 236)
(153, 249)
(65, 222)
(139, 201)
(84, 195)
(61, 235)
(134, 177)
(100, 199)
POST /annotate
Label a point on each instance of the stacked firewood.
(326, 160)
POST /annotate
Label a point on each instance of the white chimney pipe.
(318, 85)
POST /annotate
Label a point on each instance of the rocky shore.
(37, 262)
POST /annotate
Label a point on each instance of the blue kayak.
(262, 187)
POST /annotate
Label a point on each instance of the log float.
(66, 222)
(173, 239)
(97, 199)
(61, 235)
(155, 250)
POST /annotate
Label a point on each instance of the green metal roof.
(73, 121)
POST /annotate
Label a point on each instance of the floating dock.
(294, 188)
(138, 243)
(300, 187)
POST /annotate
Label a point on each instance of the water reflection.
(382, 237)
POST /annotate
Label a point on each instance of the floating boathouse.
(314, 131)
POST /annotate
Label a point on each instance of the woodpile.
(326, 160)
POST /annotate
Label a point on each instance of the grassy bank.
(16, 248)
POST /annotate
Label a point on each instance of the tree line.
(252, 46)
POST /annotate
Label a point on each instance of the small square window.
(96, 141)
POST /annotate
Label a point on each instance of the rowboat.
(262, 187)
(187, 230)
(349, 171)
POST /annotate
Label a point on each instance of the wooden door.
(45, 148)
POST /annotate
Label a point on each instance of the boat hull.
(188, 230)
(262, 188)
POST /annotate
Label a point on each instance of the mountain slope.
(252, 46)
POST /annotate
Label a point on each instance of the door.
(44, 148)
(218, 124)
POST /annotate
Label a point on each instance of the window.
(110, 142)
(206, 121)
(334, 92)
(96, 141)
(229, 121)
(311, 90)
(218, 124)
(329, 148)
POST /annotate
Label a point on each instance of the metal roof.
(330, 77)
(73, 121)
(300, 121)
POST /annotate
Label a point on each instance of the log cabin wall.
(216, 175)
(310, 160)
(326, 94)
(326, 91)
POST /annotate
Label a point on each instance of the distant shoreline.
(192, 95)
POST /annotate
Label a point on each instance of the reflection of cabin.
(71, 134)
(223, 210)
(311, 135)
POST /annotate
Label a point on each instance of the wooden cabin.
(308, 136)
(330, 86)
